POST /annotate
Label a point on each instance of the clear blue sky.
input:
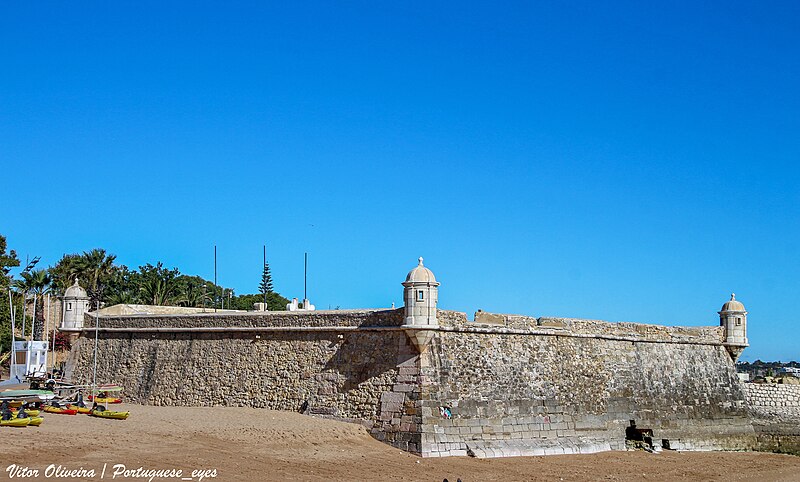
(626, 161)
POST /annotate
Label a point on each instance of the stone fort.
(433, 383)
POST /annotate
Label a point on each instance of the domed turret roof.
(733, 305)
(75, 291)
(420, 274)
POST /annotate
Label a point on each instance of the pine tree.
(266, 281)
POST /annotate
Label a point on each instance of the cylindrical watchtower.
(76, 303)
(421, 295)
(733, 318)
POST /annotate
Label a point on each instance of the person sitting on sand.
(7, 415)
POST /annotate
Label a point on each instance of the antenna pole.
(262, 273)
(215, 278)
(305, 278)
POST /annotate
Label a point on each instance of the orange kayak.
(84, 410)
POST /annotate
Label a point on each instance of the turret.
(421, 294)
(733, 319)
(75, 304)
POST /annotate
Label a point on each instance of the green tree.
(266, 281)
(158, 285)
(275, 302)
(97, 267)
(36, 282)
(65, 271)
(122, 286)
(194, 291)
(8, 260)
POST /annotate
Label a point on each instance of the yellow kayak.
(35, 421)
(15, 422)
(109, 414)
(31, 413)
(84, 410)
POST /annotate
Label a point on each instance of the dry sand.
(255, 445)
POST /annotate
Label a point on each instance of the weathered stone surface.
(525, 386)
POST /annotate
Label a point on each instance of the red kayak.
(62, 411)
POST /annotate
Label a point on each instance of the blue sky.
(625, 161)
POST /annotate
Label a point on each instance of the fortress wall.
(516, 385)
(520, 394)
(365, 376)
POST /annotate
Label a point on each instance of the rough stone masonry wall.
(513, 386)
(529, 389)
(366, 376)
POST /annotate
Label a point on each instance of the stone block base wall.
(774, 398)
(776, 412)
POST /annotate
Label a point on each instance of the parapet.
(522, 324)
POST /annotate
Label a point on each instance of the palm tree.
(194, 295)
(158, 285)
(37, 282)
(65, 272)
(96, 267)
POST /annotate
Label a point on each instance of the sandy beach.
(225, 444)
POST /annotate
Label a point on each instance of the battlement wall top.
(320, 318)
(583, 327)
(388, 318)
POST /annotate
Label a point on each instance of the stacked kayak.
(16, 422)
(33, 421)
(31, 413)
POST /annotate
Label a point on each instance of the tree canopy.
(109, 283)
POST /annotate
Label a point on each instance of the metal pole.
(33, 319)
(24, 307)
(13, 336)
(94, 371)
(305, 279)
(263, 268)
(54, 335)
(215, 278)
(46, 327)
